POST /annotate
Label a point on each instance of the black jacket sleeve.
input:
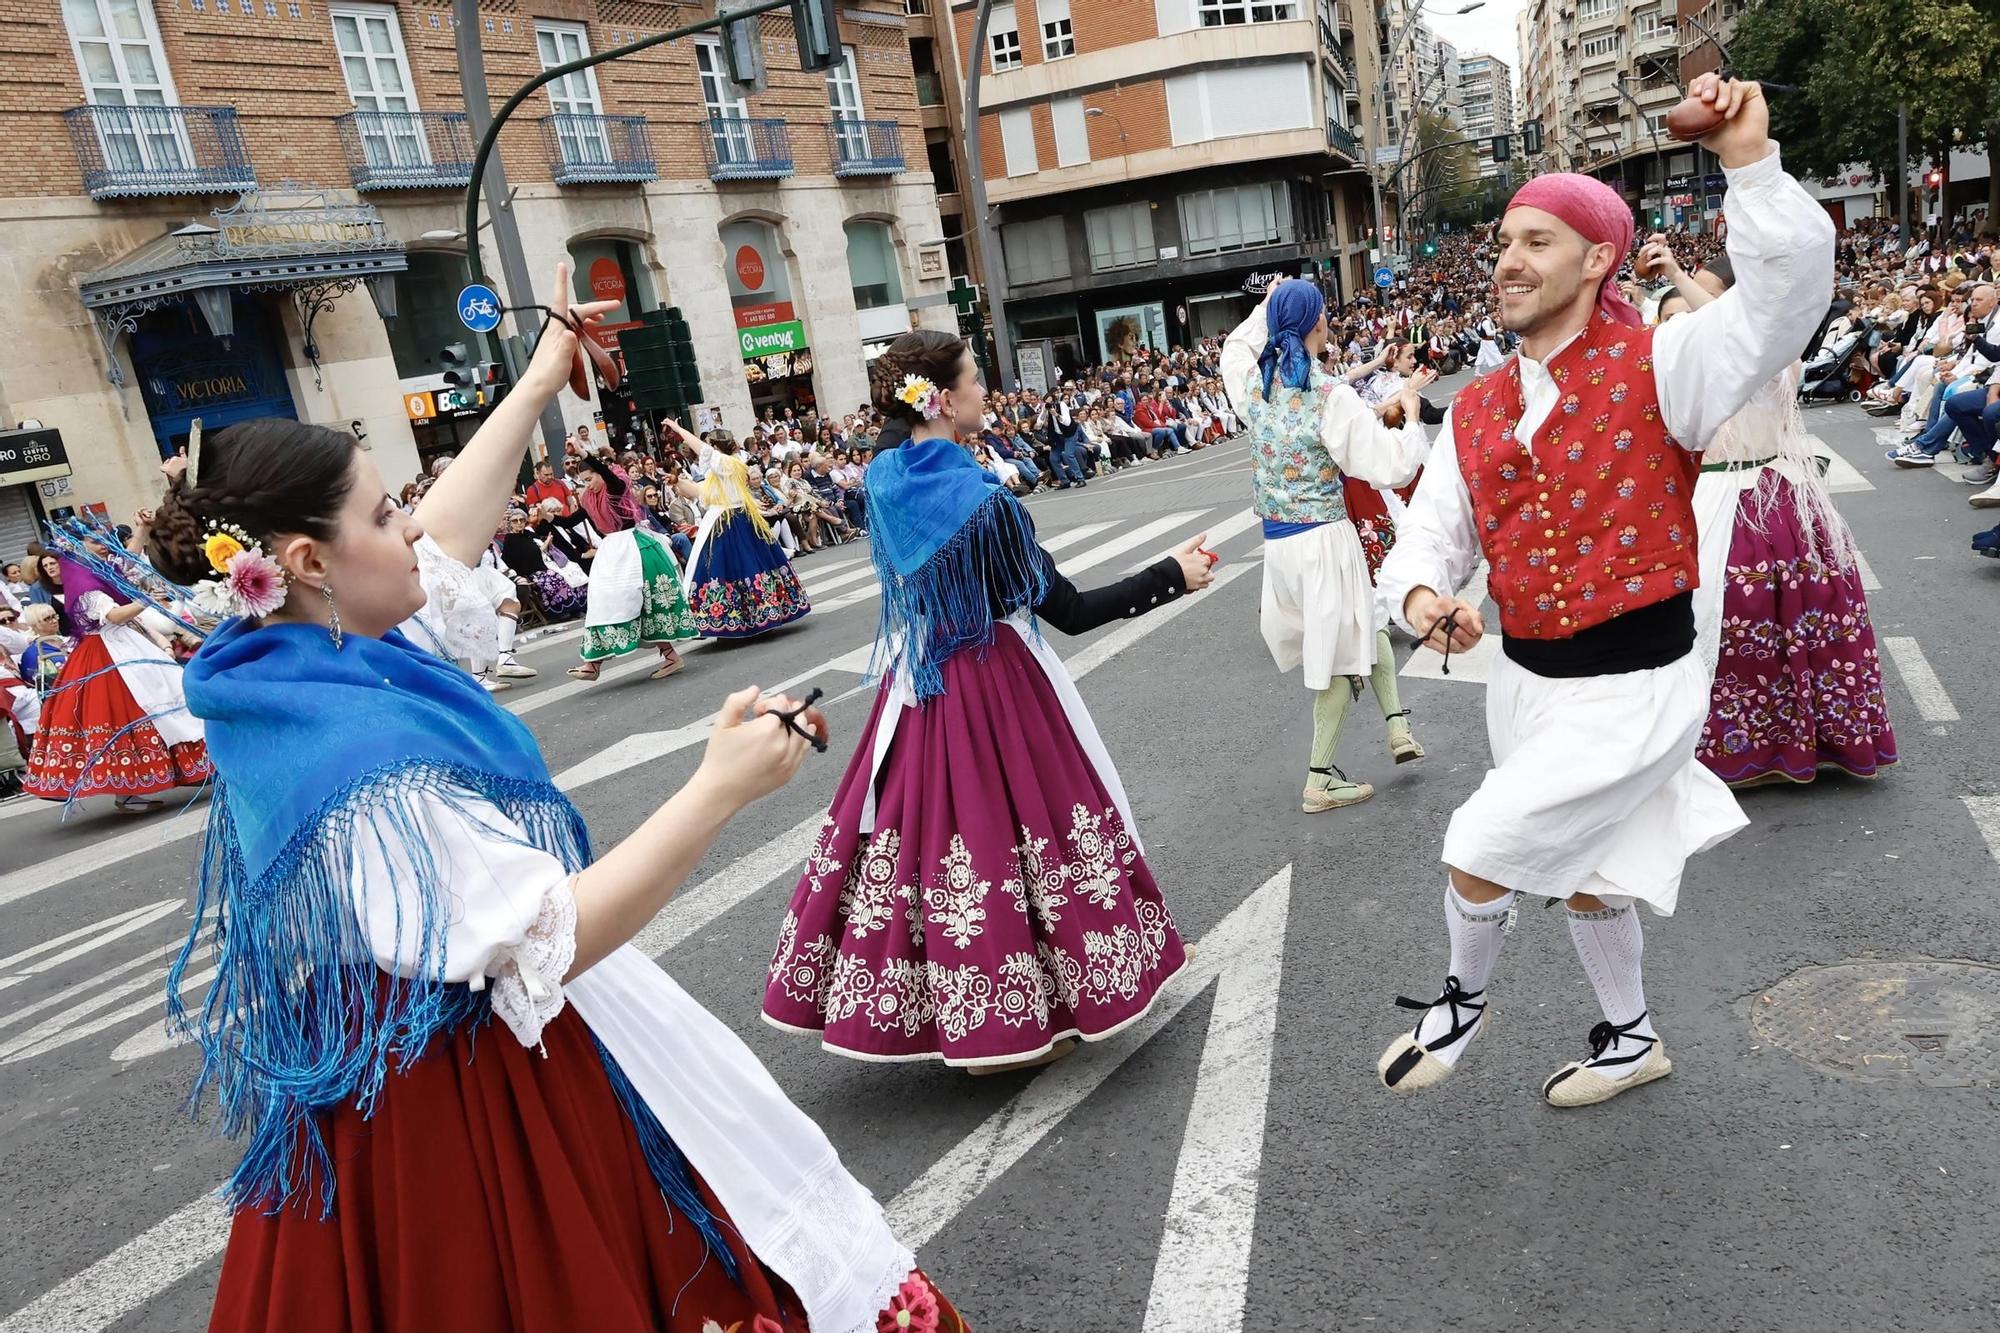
(1075, 611)
(612, 482)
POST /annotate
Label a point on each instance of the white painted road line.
(136, 921)
(1918, 678)
(1118, 640)
(929, 1203)
(161, 829)
(1986, 814)
(1177, 524)
(81, 932)
(1869, 583)
(1219, 533)
(1201, 1274)
(130, 1275)
(692, 909)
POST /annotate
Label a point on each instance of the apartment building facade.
(1486, 105)
(1149, 163)
(221, 209)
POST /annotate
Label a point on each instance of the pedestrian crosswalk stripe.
(1223, 531)
(1918, 678)
(81, 932)
(1139, 536)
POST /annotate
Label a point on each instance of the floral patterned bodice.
(1296, 479)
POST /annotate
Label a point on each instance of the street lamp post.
(993, 258)
(1124, 153)
(1410, 25)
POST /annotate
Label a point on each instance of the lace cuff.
(527, 979)
(457, 619)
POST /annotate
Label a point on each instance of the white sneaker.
(1988, 498)
(511, 669)
(492, 686)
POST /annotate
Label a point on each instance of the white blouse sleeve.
(510, 917)
(1437, 541)
(1361, 446)
(1239, 357)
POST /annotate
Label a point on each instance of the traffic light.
(458, 369)
(1933, 179)
(1503, 144)
(1430, 248)
(743, 50)
(1531, 138)
(818, 29)
(660, 369)
(1656, 221)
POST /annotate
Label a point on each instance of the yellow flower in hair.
(919, 393)
(221, 548)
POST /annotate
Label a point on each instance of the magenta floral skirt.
(1798, 684)
(1000, 903)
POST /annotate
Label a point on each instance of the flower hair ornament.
(921, 394)
(248, 583)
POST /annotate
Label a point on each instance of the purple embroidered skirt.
(1000, 902)
(1798, 683)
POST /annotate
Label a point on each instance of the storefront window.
(872, 267)
(771, 332)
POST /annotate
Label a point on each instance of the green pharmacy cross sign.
(773, 339)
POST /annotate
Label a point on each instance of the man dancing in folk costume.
(1572, 470)
(1307, 429)
(979, 893)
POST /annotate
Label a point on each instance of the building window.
(944, 171)
(1003, 38)
(1037, 251)
(378, 80)
(578, 112)
(843, 87)
(117, 47)
(1072, 131)
(728, 114)
(916, 8)
(923, 66)
(1229, 13)
(1058, 36)
(1604, 44)
(1241, 217)
(427, 314)
(1120, 237)
(872, 266)
(1646, 26)
(1597, 9)
(1017, 141)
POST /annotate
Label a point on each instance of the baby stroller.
(1838, 371)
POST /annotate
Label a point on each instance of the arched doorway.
(770, 329)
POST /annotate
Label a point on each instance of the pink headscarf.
(1598, 214)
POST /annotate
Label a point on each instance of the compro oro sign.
(31, 455)
(771, 339)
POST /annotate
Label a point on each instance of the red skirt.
(503, 1192)
(75, 753)
(1370, 516)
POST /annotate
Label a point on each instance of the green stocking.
(1383, 678)
(1330, 707)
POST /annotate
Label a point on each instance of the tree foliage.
(1856, 61)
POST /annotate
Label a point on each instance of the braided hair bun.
(265, 477)
(929, 354)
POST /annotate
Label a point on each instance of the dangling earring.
(333, 615)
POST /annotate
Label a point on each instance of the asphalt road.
(1234, 1165)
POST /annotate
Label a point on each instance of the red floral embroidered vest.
(1598, 518)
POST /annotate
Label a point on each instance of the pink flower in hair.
(256, 584)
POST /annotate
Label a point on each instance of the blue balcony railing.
(866, 147)
(598, 150)
(743, 148)
(1343, 140)
(407, 150)
(131, 151)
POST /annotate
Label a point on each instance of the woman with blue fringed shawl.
(979, 894)
(469, 1100)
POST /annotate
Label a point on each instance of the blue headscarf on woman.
(1292, 312)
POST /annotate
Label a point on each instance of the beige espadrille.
(1577, 1084)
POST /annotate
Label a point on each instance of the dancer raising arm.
(389, 867)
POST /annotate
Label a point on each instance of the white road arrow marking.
(930, 1202)
(1202, 1271)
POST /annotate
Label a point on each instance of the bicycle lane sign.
(479, 308)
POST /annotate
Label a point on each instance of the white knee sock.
(1476, 936)
(508, 624)
(1610, 944)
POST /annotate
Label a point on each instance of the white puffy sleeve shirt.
(510, 917)
(1707, 364)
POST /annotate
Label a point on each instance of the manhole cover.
(1936, 1023)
